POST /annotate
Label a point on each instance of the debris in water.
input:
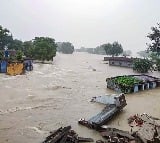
(148, 127)
(65, 135)
(114, 105)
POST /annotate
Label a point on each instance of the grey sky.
(87, 23)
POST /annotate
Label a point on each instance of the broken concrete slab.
(114, 105)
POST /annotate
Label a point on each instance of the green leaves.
(5, 37)
(19, 55)
(113, 49)
(155, 39)
(65, 47)
(142, 65)
(44, 48)
(126, 81)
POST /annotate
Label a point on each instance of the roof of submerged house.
(119, 59)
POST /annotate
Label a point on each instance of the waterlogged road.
(57, 95)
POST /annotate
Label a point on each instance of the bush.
(19, 56)
(142, 65)
(158, 64)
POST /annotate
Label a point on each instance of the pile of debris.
(147, 128)
(144, 129)
(65, 135)
(113, 135)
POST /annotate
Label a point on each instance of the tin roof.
(118, 59)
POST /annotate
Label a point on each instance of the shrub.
(142, 65)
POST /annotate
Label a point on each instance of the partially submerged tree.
(65, 47)
(44, 48)
(100, 50)
(127, 53)
(114, 49)
(142, 65)
(144, 54)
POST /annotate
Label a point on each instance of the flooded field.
(57, 95)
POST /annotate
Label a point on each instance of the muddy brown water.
(57, 95)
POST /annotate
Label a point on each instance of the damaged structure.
(65, 135)
(120, 61)
(114, 104)
(147, 128)
(132, 83)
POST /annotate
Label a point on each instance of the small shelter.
(120, 61)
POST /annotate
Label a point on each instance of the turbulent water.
(57, 95)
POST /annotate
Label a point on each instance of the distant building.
(8, 53)
(120, 61)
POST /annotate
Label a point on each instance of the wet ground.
(57, 95)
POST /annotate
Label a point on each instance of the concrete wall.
(121, 63)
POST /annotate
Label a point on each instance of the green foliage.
(114, 49)
(144, 54)
(65, 47)
(155, 39)
(1, 55)
(28, 49)
(44, 48)
(126, 81)
(16, 45)
(126, 53)
(5, 37)
(19, 55)
(100, 50)
(158, 64)
(142, 65)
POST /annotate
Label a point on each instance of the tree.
(28, 49)
(127, 53)
(154, 47)
(65, 47)
(142, 65)
(5, 37)
(144, 54)
(19, 55)
(100, 50)
(1, 55)
(114, 49)
(44, 48)
(155, 39)
(16, 45)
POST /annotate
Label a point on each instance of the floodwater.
(57, 95)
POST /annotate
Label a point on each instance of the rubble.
(65, 135)
(113, 135)
(148, 128)
(114, 104)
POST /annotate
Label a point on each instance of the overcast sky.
(87, 23)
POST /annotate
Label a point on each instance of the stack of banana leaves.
(126, 82)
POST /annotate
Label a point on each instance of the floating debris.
(114, 104)
(65, 135)
(148, 128)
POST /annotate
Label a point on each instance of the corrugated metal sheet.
(3, 66)
(28, 65)
(15, 69)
